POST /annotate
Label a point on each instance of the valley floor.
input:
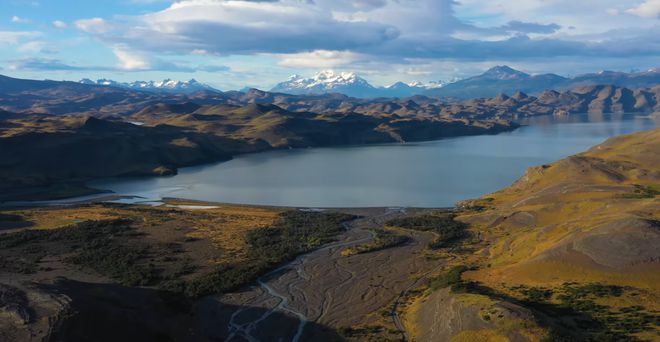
(323, 295)
(568, 253)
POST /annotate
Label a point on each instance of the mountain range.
(350, 84)
(164, 86)
(495, 81)
(19, 97)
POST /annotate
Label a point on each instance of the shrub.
(445, 226)
(450, 278)
(382, 240)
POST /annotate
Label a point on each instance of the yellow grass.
(228, 225)
(479, 336)
(225, 226)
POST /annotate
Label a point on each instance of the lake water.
(428, 174)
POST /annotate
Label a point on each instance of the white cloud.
(240, 27)
(383, 35)
(41, 64)
(131, 60)
(60, 24)
(648, 9)
(19, 20)
(14, 37)
(585, 17)
(320, 59)
(95, 25)
(35, 46)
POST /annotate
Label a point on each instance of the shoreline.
(192, 204)
(82, 192)
(80, 188)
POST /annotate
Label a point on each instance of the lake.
(428, 174)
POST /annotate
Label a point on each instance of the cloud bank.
(329, 33)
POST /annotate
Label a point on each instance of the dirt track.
(326, 288)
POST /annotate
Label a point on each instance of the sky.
(232, 44)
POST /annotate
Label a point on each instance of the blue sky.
(231, 44)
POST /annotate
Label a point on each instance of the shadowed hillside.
(40, 153)
(37, 161)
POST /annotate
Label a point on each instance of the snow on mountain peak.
(351, 84)
(331, 78)
(167, 85)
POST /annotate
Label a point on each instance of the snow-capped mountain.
(328, 81)
(350, 84)
(167, 85)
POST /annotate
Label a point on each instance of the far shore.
(184, 203)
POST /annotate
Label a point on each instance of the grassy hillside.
(570, 251)
(597, 212)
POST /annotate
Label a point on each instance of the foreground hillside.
(568, 253)
(571, 246)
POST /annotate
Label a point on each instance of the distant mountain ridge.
(497, 80)
(166, 85)
(506, 80)
(46, 97)
(350, 84)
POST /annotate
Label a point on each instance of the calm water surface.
(429, 174)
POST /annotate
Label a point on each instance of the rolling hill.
(572, 246)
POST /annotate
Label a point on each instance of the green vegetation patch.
(450, 278)
(573, 312)
(383, 239)
(354, 332)
(22, 265)
(292, 234)
(579, 316)
(642, 192)
(80, 234)
(10, 218)
(98, 245)
(534, 294)
(446, 226)
(114, 249)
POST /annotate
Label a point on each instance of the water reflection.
(429, 174)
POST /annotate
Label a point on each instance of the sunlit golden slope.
(570, 252)
(594, 216)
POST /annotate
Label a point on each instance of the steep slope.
(597, 211)
(567, 253)
(71, 152)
